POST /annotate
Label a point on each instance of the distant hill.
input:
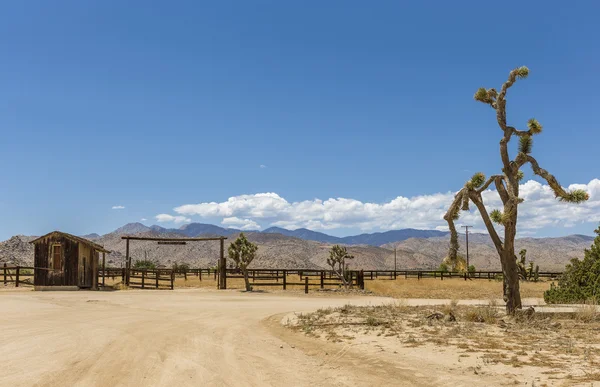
(381, 238)
(91, 237)
(195, 229)
(373, 239)
(304, 233)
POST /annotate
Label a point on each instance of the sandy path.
(185, 338)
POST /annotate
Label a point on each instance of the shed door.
(85, 273)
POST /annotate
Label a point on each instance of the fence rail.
(309, 278)
(19, 275)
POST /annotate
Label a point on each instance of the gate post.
(127, 262)
(222, 267)
(284, 279)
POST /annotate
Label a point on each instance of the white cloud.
(163, 218)
(540, 209)
(118, 207)
(242, 224)
(143, 220)
(263, 166)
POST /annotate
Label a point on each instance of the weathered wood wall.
(68, 275)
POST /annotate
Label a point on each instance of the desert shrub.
(181, 267)
(443, 268)
(483, 314)
(144, 264)
(580, 281)
(472, 269)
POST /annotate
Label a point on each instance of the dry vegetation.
(454, 288)
(539, 348)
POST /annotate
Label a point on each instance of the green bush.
(472, 269)
(144, 264)
(580, 281)
(443, 268)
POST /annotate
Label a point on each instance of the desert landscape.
(202, 336)
(317, 193)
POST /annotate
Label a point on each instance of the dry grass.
(454, 288)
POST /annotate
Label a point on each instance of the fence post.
(284, 279)
(17, 282)
(442, 275)
(305, 285)
(322, 280)
(200, 274)
(4, 274)
(465, 276)
(143, 278)
(172, 279)
(419, 275)
(156, 274)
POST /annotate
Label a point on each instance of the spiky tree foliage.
(456, 265)
(507, 186)
(337, 260)
(243, 252)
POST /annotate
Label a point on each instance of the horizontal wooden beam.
(134, 238)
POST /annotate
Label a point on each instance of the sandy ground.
(191, 337)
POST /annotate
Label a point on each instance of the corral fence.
(139, 278)
(309, 278)
(19, 275)
(488, 275)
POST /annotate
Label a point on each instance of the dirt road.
(186, 338)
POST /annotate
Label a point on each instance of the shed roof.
(74, 238)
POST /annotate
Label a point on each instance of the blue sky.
(156, 105)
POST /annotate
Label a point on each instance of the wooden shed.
(66, 261)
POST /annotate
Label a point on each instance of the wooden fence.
(308, 278)
(19, 275)
(151, 278)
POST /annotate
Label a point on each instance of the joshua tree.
(507, 185)
(337, 261)
(243, 252)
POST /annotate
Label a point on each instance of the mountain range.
(303, 248)
(196, 229)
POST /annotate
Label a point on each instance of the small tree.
(337, 260)
(507, 186)
(443, 268)
(580, 281)
(243, 252)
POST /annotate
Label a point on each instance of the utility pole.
(467, 236)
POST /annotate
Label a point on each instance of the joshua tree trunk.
(247, 280)
(507, 186)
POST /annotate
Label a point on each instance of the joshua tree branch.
(478, 200)
(488, 182)
(575, 196)
(519, 133)
(502, 190)
(449, 217)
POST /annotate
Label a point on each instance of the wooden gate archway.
(221, 283)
